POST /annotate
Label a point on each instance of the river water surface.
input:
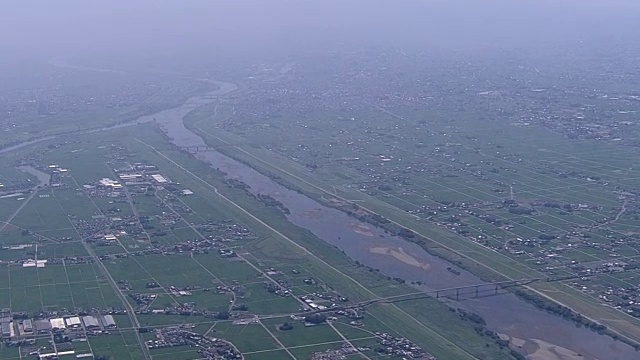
(543, 336)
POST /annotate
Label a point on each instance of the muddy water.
(543, 335)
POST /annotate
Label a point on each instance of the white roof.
(159, 178)
(73, 321)
(34, 263)
(109, 182)
(129, 176)
(57, 323)
(46, 356)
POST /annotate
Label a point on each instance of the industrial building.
(57, 323)
(5, 327)
(34, 263)
(159, 178)
(42, 326)
(110, 184)
(27, 326)
(108, 321)
(73, 322)
(91, 322)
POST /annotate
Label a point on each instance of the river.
(543, 335)
(540, 334)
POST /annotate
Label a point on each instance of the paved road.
(130, 312)
(424, 327)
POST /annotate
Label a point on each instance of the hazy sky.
(33, 28)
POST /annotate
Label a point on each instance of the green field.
(446, 180)
(66, 224)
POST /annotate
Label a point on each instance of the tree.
(315, 319)
(222, 315)
(285, 327)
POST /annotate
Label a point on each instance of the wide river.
(540, 334)
(543, 335)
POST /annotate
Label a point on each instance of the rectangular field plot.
(172, 320)
(117, 346)
(42, 214)
(177, 270)
(247, 338)
(8, 206)
(302, 335)
(57, 287)
(269, 355)
(9, 353)
(61, 250)
(228, 270)
(176, 353)
(75, 203)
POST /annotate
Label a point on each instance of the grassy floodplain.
(453, 193)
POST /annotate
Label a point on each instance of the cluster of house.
(321, 301)
(402, 347)
(208, 348)
(337, 354)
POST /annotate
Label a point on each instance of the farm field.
(506, 200)
(169, 266)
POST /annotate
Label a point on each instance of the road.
(123, 299)
(595, 318)
(302, 303)
(130, 312)
(344, 338)
(425, 328)
(13, 215)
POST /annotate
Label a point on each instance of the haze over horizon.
(145, 29)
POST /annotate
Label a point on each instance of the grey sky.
(135, 27)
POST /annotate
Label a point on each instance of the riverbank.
(427, 321)
(336, 200)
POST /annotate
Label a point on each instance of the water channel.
(540, 334)
(43, 178)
